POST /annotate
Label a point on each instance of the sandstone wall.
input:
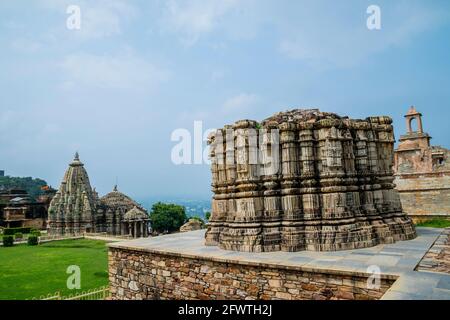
(144, 275)
(425, 195)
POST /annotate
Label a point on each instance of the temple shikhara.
(305, 180)
(76, 208)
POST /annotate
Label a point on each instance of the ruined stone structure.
(76, 208)
(305, 180)
(422, 172)
(191, 225)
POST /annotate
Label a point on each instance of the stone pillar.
(292, 231)
(270, 151)
(219, 202)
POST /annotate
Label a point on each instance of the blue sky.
(137, 70)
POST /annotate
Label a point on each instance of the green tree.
(167, 217)
(208, 215)
(32, 186)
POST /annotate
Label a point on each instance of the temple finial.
(115, 188)
(76, 157)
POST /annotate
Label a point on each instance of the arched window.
(413, 124)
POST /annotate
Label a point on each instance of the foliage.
(32, 186)
(31, 271)
(13, 231)
(35, 232)
(167, 217)
(8, 241)
(18, 235)
(208, 215)
(434, 223)
(32, 240)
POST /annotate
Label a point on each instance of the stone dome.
(135, 214)
(116, 199)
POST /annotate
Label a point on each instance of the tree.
(32, 186)
(208, 215)
(167, 217)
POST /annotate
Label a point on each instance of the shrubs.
(18, 236)
(8, 241)
(36, 233)
(32, 240)
(13, 231)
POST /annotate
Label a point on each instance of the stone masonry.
(136, 275)
(305, 180)
(422, 173)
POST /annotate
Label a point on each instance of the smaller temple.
(135, 223)
(77, 208)
(422, 172)
(19, 209)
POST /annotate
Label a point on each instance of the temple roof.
(301, 115)
(116, 199)
(75, 192)
(135, 214)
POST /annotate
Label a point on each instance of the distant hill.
(31, 185)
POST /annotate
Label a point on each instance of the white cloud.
(218, 74)
(240, 102)
(342, 39)
(195, 18)
(122, 71)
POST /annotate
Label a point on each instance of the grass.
(32, 271)
(434, 223)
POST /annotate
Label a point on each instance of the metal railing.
(101, 293)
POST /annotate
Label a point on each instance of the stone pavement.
(395, 261)
(437, 258)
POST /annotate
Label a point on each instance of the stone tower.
(417, 137)
(73, 207)
(305, 180)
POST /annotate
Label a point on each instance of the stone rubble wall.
(331, 188)
(143, 275)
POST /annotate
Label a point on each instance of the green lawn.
(31, 271)
(434, 223)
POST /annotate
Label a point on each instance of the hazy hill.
(31, 185)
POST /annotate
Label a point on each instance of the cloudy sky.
(116, 89)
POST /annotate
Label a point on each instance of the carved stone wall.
(305, 180)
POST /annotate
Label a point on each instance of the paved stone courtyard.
(396, 261)
(437, 258)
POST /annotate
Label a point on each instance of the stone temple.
(305, 180)
(76, 208)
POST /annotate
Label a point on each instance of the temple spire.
(76, 157)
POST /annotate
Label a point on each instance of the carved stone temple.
(76, 208)
(305, 180)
